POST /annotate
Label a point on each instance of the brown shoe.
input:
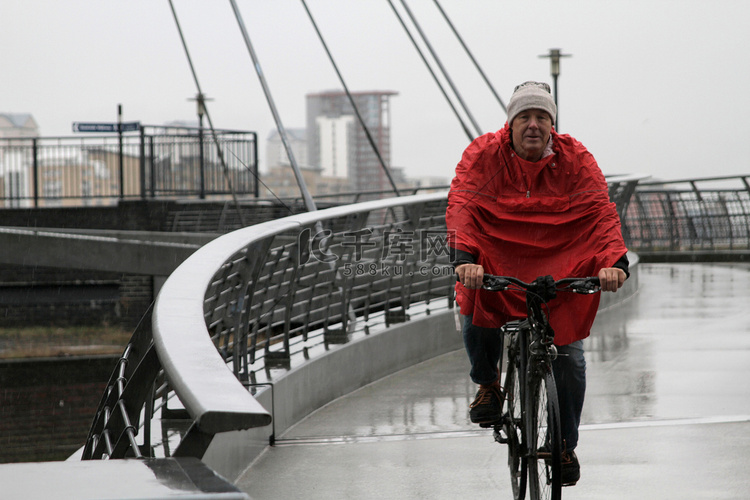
(570, 469)
(488, 405)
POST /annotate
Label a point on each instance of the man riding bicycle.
(527, 201)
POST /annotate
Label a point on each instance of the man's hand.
(611, 279)
(470, 275)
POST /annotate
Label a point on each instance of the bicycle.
(530, 424)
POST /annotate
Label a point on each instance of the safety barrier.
(253, 299)
(144, 162)
(708, 215)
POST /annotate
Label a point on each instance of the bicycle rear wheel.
(543, 436)
(513, 422)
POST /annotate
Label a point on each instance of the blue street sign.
(94, 127)
(131, 126)
(105, 127)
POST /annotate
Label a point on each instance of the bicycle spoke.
(513, 424)
(544, 437)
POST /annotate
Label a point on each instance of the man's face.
(531, 129)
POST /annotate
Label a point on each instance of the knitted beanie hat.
(531, 95)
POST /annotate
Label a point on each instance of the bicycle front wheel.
(543, 436)
(513, 424)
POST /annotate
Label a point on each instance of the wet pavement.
(667, 412)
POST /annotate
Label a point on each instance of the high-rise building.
(337, 143)
(276, 153)
(279, 179)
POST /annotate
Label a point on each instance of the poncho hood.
(529, 219)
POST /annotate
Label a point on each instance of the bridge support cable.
(471, 56)
(442, 68)
(309, 202)
(468, 133)
(374, 146)
(202, 104)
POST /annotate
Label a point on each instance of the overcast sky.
(654, 87)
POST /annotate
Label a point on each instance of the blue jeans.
(485, 349)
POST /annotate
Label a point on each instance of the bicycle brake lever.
(495, 285)
(584, 287)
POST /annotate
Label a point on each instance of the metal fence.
(102, 169)
(284, 288)
(697, 215)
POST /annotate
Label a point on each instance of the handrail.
(159, 161)
(184, 295)
(214, 311)
(692, 181)
(665, 220)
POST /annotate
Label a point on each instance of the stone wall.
(37, 296)
(47, 405)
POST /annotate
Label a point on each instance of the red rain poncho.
(524, 219)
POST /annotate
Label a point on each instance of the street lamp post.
(554, 61)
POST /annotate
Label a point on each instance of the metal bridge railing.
(260, 297)
(103, 169)
(255, 298)
(696, 215)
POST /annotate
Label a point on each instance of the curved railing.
(260, 298)
(255, 298)
(689, 217)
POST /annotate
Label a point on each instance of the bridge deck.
(667, 413)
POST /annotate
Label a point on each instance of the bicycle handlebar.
(578, 285)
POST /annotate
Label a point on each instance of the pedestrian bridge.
(259, 328)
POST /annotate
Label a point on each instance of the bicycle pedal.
(500, 438)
